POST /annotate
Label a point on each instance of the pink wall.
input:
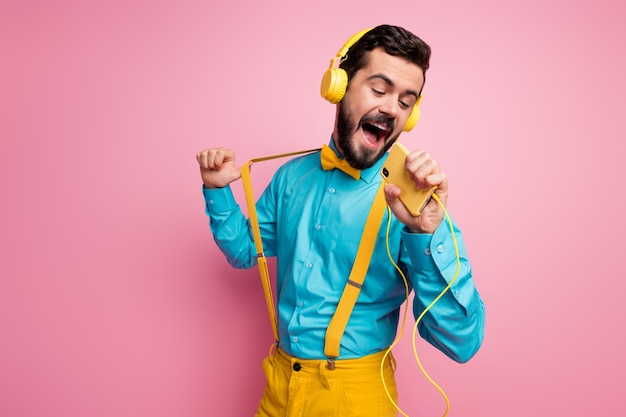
(114, 301)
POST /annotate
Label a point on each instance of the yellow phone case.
(394, 172)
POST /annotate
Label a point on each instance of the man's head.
(386, 69)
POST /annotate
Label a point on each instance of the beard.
(357, 156)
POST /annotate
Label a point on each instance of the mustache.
(379, 119)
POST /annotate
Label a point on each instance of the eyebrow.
(389, 82)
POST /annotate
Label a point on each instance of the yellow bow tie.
(330, 160)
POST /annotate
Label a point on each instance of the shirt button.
(318, 227)
(309, 265)
(211, 202)
(332, 190)
(440, 248)
(297, 367)
(295, 339)
(427, 251)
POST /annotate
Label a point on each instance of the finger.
(212, 159)
(392, 197)
(439, 180)
(201, 158)
(206, 159)
(215, 158)
(418, 158)
(223, 156)
(420, 173)
(392, 192)
(420, 164)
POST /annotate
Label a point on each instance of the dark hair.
(395, 41)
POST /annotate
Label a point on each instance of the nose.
(389, 106)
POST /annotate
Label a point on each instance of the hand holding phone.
(394, 172)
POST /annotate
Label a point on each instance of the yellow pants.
(306, 388)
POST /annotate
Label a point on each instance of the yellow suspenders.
(357, 275)
(256, 232)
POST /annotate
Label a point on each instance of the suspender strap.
(352, 289)
(256, 233)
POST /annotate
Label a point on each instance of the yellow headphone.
(335, 81)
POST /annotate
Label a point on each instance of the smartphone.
(394, 172)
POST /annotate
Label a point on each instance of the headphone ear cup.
(334, 84)
(414, 117)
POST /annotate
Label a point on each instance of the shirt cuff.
(433, 252)
(434, 256)
(418, 247)
(219, 200)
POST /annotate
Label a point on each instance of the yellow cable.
(406, 289)
(419, 318)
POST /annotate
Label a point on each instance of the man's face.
(377, 104)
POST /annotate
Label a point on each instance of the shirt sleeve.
(455, 323)
(231, 230)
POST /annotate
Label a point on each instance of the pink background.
(114, 300)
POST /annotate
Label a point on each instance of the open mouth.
(374, 133)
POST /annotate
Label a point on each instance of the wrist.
(426, 229)
(209, 186)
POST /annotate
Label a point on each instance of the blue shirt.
(312, 221)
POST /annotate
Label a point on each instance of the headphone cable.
(419, 318)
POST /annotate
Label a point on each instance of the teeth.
(381, 127)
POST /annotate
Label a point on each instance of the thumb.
(392, 194)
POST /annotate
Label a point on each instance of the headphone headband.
(354, 39)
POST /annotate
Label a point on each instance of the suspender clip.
(330, 364)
